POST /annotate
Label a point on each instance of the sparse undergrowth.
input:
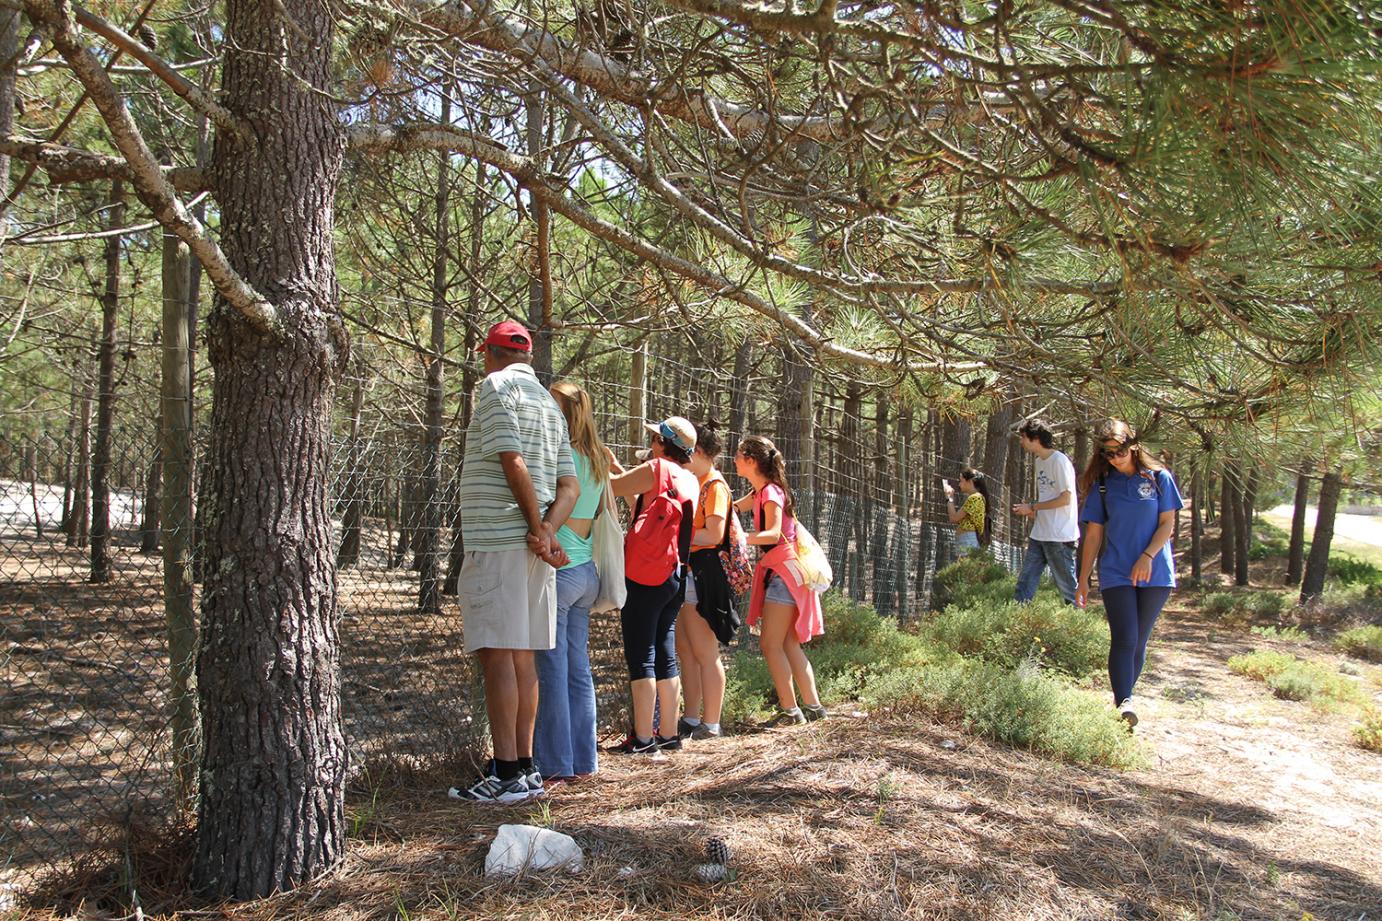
(1368, 733)
(1003, 671)
(1293, 678)
(1363, 642)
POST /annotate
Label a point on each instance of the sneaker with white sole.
(1127, 714)
(703, 732)
(491, 789)
(632, 745)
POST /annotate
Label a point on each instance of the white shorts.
(508, 600)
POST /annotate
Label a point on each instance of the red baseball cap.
(508, 335)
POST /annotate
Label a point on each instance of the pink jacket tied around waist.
(782, 559)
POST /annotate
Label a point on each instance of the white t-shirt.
(1056, 475)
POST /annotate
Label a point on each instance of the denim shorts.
(967, 540)
(691, 598)
(776, 590)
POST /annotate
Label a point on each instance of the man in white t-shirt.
(1056, 528)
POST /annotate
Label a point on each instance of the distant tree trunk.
(638, 395)
(881, 506)
(1317, 566)
(903, 556)
(105, 394)
(79, 519)
(1228, 540)
(1081, 455)
(153, 488)
(271, 803)
(31, 465)
(540, 280)
(1196, 528)
(1243, 528)
(857, 486)
(739, 393)
(429, 556)
(1295, 562)
(468, 373)
(354, 486)
(997, 441)
(9, 69)
(175, 450)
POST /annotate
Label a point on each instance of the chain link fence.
(85, 744)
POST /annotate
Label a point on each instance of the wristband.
(1149, 556)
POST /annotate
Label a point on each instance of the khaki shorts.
(508, 601)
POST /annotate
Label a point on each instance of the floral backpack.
(734, 549)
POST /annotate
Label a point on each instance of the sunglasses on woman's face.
(1119, 451)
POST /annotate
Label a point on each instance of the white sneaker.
(491, 789)
(1127, 714)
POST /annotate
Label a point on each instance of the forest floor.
(1247, 807)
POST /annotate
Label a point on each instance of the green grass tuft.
(1293, 678)
(1368, 733)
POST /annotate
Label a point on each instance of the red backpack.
(660, 538)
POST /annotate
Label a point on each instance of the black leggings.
(649, 620)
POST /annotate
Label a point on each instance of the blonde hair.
(580, 422)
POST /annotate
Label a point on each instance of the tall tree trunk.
(1295, 561)
(1228, 539)
(739, 392)
(1196, 528)
(153, 489)
(105, 394)
(881, 506)
(1243, 528)
(271, 809)
(1080, 458)
(638, 394)
(352, 517)
(429, 556)
(1317, 566)
(31, 467)
(9, 68)
(903, 555)
(856, 489)
(468, 373)
(175, 449)
(79, 520)
(540, 279)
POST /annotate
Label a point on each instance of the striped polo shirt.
(512, 412)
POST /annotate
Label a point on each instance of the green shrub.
(1293, 678)
(995, 691)
(1294, 634)
(1024, 707)
(969, 579)
(1067, 639)
(1368, 733)
(1268, 548)
(1363, 642)
(1265, 604)
(1220, 603)
(1352, 571)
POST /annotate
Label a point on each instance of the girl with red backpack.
(783, 600)
(656, 551)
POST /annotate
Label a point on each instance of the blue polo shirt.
(1134, 505)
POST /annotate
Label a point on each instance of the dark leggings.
(648, 620)
(1132, 612)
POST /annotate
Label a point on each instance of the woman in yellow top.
(971, 520)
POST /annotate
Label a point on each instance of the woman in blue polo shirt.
(1130, 504)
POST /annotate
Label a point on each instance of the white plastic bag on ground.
(518, 848)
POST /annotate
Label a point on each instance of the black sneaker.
(703, 732)
(684, 728)
(813, 712)
(632, 745)
(668, 745)
(793, 717)
(491, 789)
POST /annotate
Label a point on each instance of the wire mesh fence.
(85, 743)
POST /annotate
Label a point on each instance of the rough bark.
(9, 68)
(739, 392)
(638, 394)
(540, 279)
(175, 448)
(1196, 528)
(1317, 565)
(1295, 560)
(274, 760)
(79, 518)
(105, 395)
(1228, 540)
(31, 467)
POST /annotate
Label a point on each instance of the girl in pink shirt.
(788, 609)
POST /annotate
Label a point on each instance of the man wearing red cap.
(518, 485)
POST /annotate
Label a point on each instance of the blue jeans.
(966, 541)
(564, 740)
(1041, 554)
(1132, 612)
